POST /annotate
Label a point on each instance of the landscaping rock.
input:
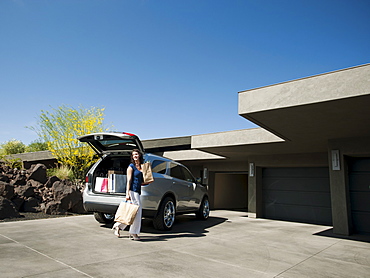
(20, 179)
(51, 181)
(4, 178)
(6, 190)
(67, 194)
(54, 207)
(78, 207)
(31, 204)
(31, 191)
(18, 202)
(35, 184)
(25, 191)
(7, 209)
(38, 173)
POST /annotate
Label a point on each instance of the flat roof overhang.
(319, 108)
(308, 112)
(298, 116)
(167, 144)
(237, 144)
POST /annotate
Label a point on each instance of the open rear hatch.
(112, 142)
(109, 176)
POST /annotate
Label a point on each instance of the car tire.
(104, 218)
(165, 216)
(203, 212)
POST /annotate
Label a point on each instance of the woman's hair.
(141, 159)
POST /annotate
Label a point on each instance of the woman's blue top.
(137, 179)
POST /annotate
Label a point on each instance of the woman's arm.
(129, 177)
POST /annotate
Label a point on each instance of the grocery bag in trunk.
(101, 184)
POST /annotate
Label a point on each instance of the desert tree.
(61, 127)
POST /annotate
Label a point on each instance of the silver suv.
(174, 190)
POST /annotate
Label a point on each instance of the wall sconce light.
(251, 169)
(335, 160)
(205, 173)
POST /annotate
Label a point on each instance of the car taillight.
(87, 179)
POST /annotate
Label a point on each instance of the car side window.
(176, 171)
(188, 176)
(159, 166)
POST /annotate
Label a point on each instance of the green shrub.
(37, 146)
(12, 162)
(62, 172)
(12, 147)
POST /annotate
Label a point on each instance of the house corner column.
(254, 191)
(339, 192)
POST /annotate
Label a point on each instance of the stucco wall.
(325, 87)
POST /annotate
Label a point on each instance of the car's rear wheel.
(203, 212)
(105, 218)
(166, 215)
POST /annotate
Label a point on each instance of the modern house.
(309, 161)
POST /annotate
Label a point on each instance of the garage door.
(231, 191)
(297, 194)
(359, 189)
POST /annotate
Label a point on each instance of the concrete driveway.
(229, 244)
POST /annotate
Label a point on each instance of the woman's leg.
(136, 226)
(119, 225)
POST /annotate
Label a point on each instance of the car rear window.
(117, 144)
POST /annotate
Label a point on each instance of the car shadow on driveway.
(185, 226)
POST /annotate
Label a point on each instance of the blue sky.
(166, 68)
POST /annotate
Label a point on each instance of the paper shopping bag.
(126, 212)
(101, 184)
(147, 172)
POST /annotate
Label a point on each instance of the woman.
(133, 190)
